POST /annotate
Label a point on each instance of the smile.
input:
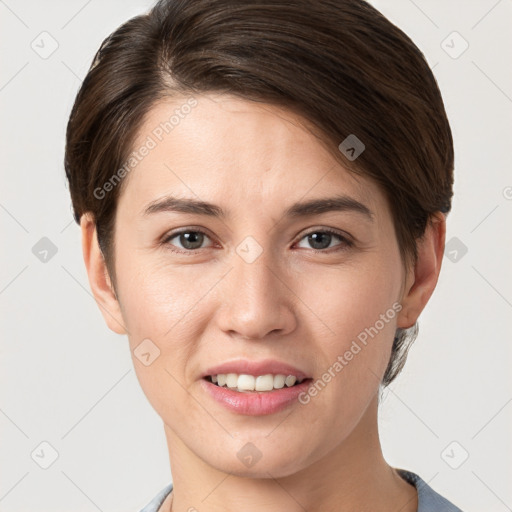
(247, 383)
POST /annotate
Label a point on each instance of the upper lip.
(246, 367)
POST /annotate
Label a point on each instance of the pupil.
(314, 237)
(190, 238)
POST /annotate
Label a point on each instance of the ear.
(422, 278)
(99, 280)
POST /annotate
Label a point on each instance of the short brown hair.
(340, 64)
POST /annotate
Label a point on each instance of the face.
(269, 280)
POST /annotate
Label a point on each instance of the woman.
(262, 189)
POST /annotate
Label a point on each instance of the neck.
(352, 476)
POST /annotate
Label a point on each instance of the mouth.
(245, 383)
(255, 395)
(255, 387)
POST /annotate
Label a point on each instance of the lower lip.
(255, 403)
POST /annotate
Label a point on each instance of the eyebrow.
(301, 209)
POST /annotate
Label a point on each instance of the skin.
(290, 304)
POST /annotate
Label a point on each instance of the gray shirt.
(428, 499)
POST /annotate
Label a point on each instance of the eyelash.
(346, 243)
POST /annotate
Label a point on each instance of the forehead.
(223, 148)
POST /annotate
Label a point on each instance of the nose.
(257, 299)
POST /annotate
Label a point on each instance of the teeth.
(245, 382)
(290, 380)
(231, 380)
(279, 381)
(263, 383)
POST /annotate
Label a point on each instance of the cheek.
(163, 314)
(159, 298)
(350, 299)
(359, 306)
(170, 306)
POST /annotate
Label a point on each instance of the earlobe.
(422, 279)
(99, 279)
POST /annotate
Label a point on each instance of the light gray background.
(68, 381)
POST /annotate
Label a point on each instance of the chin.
(259, 459)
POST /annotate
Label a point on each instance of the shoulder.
(157, 501)
(428, 499)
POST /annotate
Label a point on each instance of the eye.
(189, 239)
(321, 239)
